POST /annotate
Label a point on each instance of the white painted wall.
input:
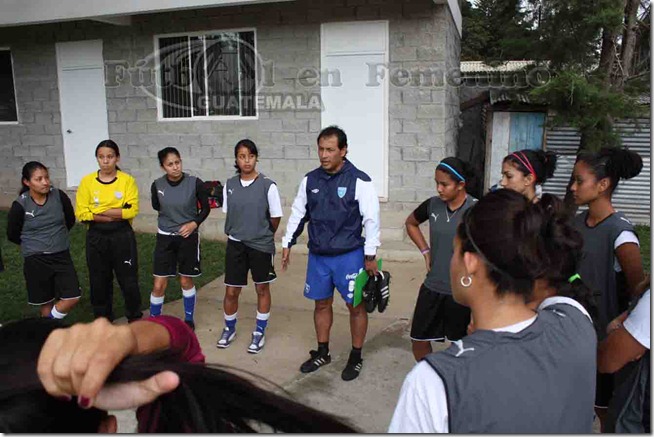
(22, 12)
(360, 110)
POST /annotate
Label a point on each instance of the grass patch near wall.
(13, 295)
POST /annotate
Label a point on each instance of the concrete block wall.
(423, 115)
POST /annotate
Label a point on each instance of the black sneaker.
(316, 361)
(369, 294)
(190, 324)
(383, 291)
(352, 369)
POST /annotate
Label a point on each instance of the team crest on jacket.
(341, 192)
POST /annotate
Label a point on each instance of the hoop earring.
(466, 281)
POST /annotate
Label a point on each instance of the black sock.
(323, 348)
(355, 353)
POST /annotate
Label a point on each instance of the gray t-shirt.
(597, 265)
(41, 229)
(177, 203)
(538, 380)
(442, 228)
(248, 215)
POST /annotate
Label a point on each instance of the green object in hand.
(360, 282)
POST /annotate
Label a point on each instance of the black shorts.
(240, 258)
(49, 277)
(604, 384)
(438, 317)
(172, 251)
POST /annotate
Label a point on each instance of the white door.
(360, 109)
(83, 104)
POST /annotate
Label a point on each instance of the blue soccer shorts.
(326, 272)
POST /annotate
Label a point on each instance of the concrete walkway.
(368, 401)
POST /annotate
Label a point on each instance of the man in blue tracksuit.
(338, 201)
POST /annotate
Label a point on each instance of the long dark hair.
(521, 241)
(209, 399)
(28, 171)
(613, 163)
(542, 163)
(565, 249)
(248, 144)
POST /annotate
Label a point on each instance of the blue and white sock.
(54, 314)
(262, 321)
(230, 321)
(189, 303)
(156, 305)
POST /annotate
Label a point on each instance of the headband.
(526, 163)
(449, 167)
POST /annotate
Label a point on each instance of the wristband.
(424, 251)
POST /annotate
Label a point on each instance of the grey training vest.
(629, 406)
(248, 213)
(178, 204)
(441, 237)
(539, 380)
(597, 265)
(44, 227)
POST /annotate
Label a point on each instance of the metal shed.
(632, 197)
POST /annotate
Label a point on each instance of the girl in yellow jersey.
(108, 200)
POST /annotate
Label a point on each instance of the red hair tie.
(526, 163)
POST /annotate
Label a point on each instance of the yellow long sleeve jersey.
(95, 197)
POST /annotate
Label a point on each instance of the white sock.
(157, 300)
(56, 314)
(188, 293)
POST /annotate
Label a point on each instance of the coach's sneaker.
(352, 369)
(383, 291)
(258, 340)
(316, 361)
(369, 294)
(226, 338)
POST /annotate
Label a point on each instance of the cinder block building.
(201, 74)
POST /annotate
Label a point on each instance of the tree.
(495, 31)
(597, 53)
(592, 46)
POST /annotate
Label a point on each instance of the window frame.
(13, 76)
(161, 118)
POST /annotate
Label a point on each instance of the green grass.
(13, 295)
(645, 242)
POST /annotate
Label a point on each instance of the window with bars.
(8, 111)
(207, 75)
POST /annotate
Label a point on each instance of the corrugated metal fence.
(633, 196)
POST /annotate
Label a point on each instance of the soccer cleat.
(383, 291)
(226, 338)
(258, 340)
(316, 361)
(352, 369)
(190, 324)
(369, 294)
